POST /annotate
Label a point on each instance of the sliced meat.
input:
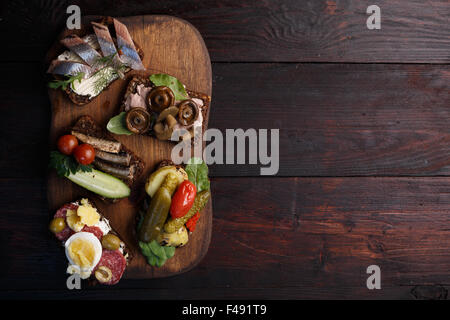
(96, 231)
(114, 261)
(62, 213)
(122, 159)
(98, 143)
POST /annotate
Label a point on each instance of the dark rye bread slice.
(127, 253)
(86, 30)
(137, 80)
(87, 126)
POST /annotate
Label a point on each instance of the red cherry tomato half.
(84, 154)
(66, 144)
(183, 199)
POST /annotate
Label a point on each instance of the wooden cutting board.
(172, 46)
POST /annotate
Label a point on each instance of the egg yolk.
(82, 253)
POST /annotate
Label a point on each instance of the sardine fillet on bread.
(111, 156)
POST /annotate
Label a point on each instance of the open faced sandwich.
(161, 106)
(177, 197)
(94, 60)
(93, 249)
(90, 157)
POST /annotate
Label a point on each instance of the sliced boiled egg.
(83, 250)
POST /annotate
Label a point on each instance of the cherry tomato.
(66, 144)
(183, 199)
(84, 153)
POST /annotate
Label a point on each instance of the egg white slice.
(91, 238)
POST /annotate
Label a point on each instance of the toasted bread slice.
(115, 260)
(135, 81)
(110, 153)
(85, 99)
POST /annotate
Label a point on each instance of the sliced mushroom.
(188, 112)
(160, 98)
(163, 115)
(188, 135)
(137, 120)
(163, 130)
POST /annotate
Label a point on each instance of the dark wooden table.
(364, 118)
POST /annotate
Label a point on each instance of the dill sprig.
(55, 84)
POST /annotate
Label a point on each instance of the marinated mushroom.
(160, 98)
(163, 115)
(188, 112)
(163, 130)
(137, 120)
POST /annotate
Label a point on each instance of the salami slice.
(94, 230)
(61, 213)
(114, 261)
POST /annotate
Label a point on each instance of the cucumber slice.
(101, 183)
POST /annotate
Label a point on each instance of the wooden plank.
(176, 48)
(279, 31)
(288, 293)
(340, 120)
(272, 238)
(334, 120)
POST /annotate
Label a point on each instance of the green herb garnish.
(117, 125)
(156, 254)
(66, 165)
(173, 83)
(110, 61)
(197, 172)
(55, 84)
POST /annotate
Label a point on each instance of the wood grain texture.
(334, 119)
(340, 120)
(273, 238)
(270, 30)
(172, 46)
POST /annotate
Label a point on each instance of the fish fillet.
(82, 49)
(129, 54)
(69, 68)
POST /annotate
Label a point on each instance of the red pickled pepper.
(183, 199)
(192, 222)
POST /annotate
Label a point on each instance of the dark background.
(364, 150)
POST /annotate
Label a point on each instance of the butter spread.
(96, 83)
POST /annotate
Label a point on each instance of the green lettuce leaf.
(156, 254)
(117, 125)
(173, 83)
(197, 172)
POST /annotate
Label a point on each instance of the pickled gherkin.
(158, 209)
(199, 203)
